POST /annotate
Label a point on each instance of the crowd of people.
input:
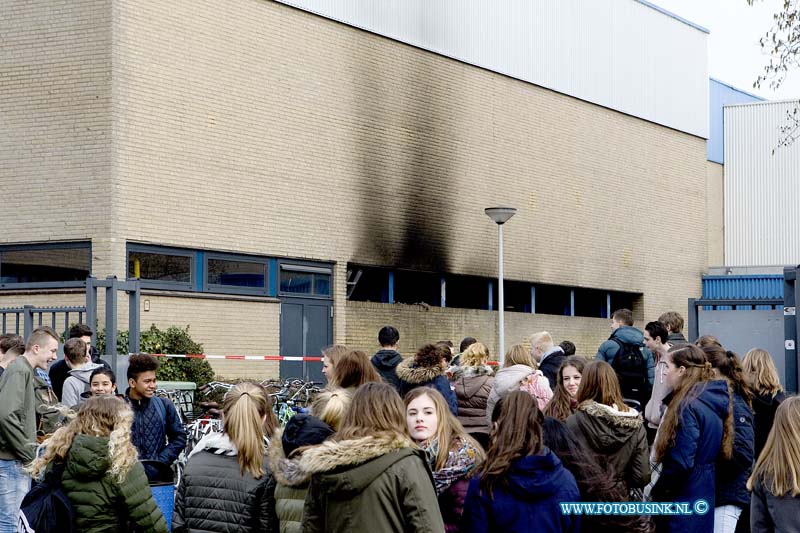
(443, 440)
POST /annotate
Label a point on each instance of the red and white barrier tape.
(240, 357)
(252, 357)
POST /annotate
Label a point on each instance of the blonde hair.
(761, 372)
(449, 431)
(98, 416)
(518, 355)
(778, 465)
(376, 410)
(331, 405)
(542, 340)
(475, 355)
(243, 409)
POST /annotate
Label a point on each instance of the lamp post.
(500, 215)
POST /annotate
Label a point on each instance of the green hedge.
(172, 340)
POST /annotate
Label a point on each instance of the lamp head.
(500, 214)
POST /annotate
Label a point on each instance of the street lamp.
(500, 215)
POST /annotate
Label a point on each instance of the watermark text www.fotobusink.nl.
(699, 507)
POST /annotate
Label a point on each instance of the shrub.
(173, 340)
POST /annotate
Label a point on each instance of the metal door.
(306, 328)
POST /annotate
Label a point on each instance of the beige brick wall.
(223, 327)
(419, 325)
(351, 147)
(715, 209)
(55, 111)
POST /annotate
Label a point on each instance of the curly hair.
(430, 355)
(476, 354)
(99, 416)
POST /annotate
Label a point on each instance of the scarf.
(460, 462)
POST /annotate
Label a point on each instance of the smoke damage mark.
(406, 176)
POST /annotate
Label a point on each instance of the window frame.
(307, 267)
(190, 286)
(66, 245)
(217, 288)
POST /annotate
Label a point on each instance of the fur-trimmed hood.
(606, 427)
(458, 372)
(287, 472)
(216, 443)
(333, 454)
(417, 375)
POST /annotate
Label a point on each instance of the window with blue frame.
(236, 273)
(186, 269)
(45, 263)
(304, 280)
(376, 284)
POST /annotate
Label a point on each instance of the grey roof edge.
(737, 89)
(673, 15)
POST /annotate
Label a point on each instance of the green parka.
(376, 484)
(291, 487)
(101, 504)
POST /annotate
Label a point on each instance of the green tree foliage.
(173, 340)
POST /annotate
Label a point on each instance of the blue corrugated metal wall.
(743, 288)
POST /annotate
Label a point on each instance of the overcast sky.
(734, 55)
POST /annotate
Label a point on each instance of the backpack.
(537, 386)
(631, 368)
(46, 507)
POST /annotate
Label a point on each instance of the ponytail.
(729, 367)
(244, 408)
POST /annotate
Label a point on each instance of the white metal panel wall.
(762, 189)
(621, 54)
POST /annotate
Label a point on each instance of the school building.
(286, 175)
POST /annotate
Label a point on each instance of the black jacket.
(215, 496)
(59, 371)
(385, 362)
(677, 339)
(764, 407)
(550, 364)
(769, 513)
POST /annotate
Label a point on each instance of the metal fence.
(23, 320)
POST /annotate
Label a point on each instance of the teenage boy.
(157, 431)
(655, 339)
(80, 362)
(59, 371)
(18, 422)
(11, 347)
(387, 358)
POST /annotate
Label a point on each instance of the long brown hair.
(599, 383)
(353, 369)
(243, 409)
(560, 405)
(376, 410)
(729, 367)
(778, 465)
(516, 433)
(449, 431)
(761, 373)
(698, 373)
